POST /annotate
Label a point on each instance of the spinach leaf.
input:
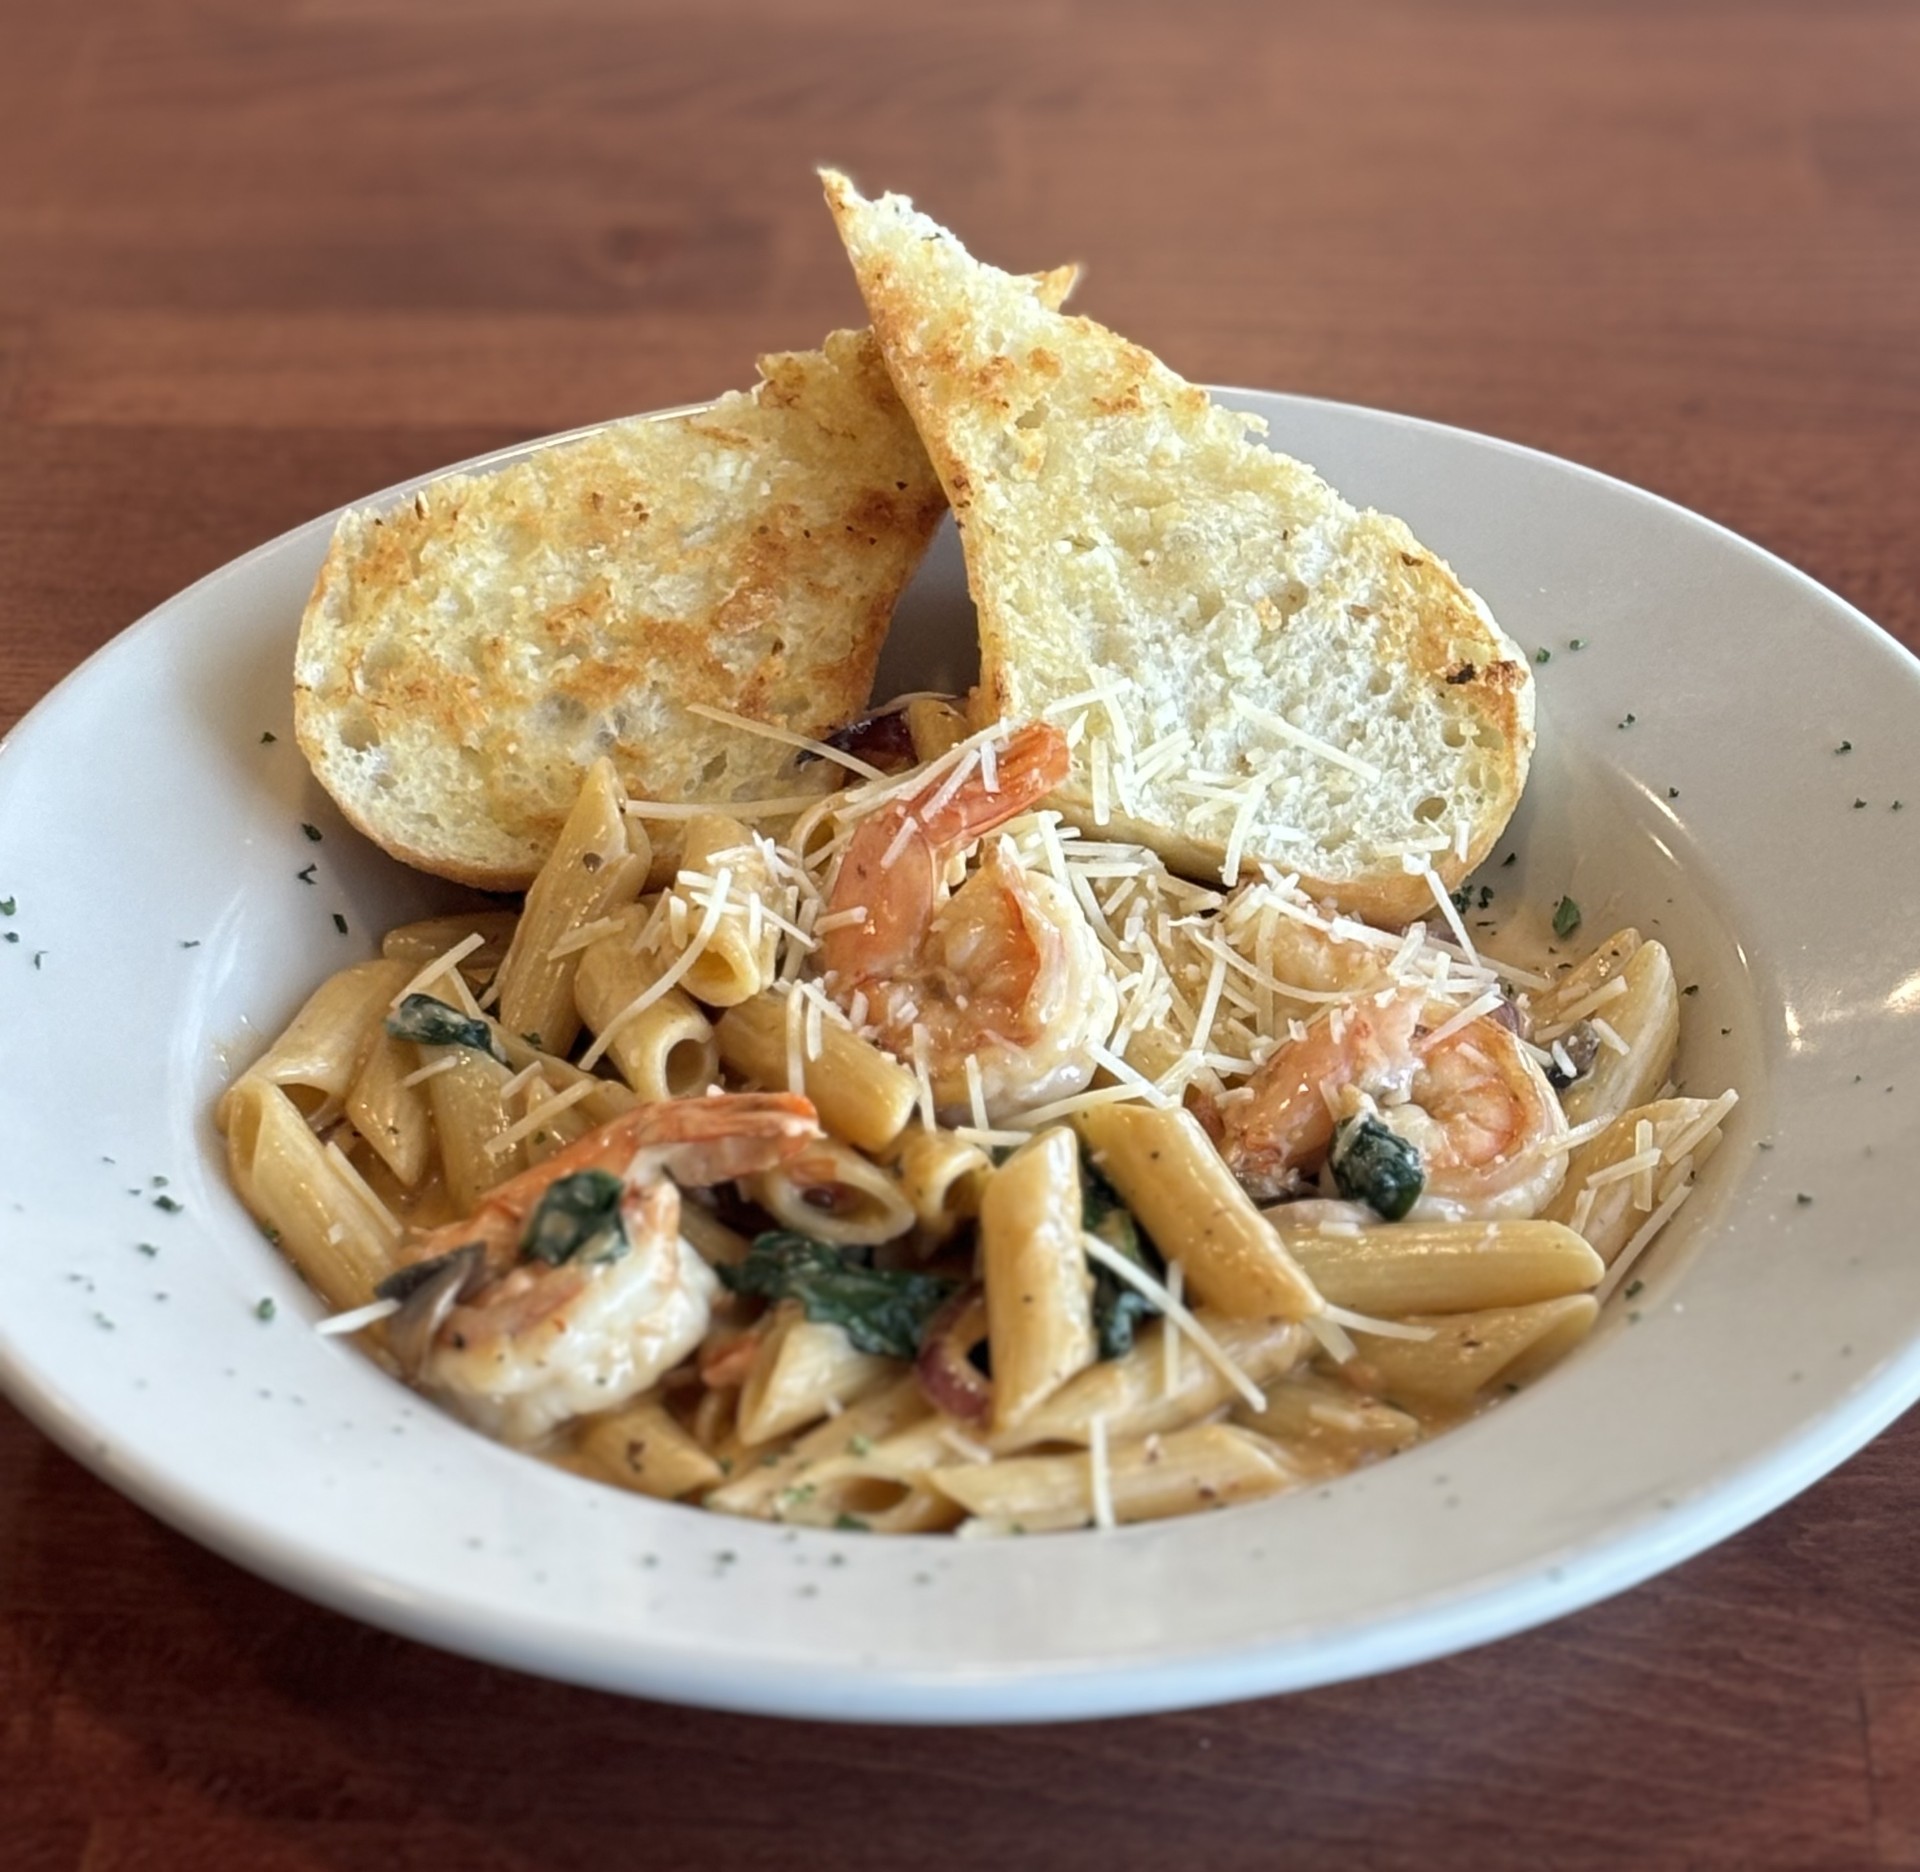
(432, 1023)
(881, 1310)
(1117, 1308)
(577, 1213)
(1372, 1164)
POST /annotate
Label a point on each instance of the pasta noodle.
(598, 863)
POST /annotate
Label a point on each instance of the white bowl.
(141, 810)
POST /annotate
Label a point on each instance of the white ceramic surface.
(141, 811)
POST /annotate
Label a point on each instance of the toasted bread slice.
(466, 656)
(1279, 677)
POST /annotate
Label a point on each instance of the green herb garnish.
(267, 737)
(1566, 917)
(1377, 1166)
(339, 922)
(265, 1310)
(1543, 655)
(881, 1310)
(577, 1214)
(428, 1022)
(167, 1204)
(312, 831)
(1118, 1308)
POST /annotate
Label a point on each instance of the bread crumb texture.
(1124, 532)
(466, 655)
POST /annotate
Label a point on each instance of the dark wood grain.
(258, 259)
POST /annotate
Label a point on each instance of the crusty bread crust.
(1122, 530)
(466, 656)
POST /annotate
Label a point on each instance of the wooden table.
(256, 260)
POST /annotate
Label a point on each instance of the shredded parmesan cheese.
(525, 1127)
(976, 1094)
(445, 1063)
(1380, 1328)
(1472, 1012)
(1100, 1477)
(337, 1324)
(1708, 1122)
(1608, 1037)
(582, 938)
(734, 809)
(788, 738)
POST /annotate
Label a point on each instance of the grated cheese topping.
(499, 1145)
(787, 738)
(1099, 1474)
(337, 1324)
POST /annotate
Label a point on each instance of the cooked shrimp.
(1476, 1107)
(1006, 971)
(520, 1351)
(1322, 962)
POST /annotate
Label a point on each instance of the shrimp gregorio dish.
(937, 1163)
(1126, 1090)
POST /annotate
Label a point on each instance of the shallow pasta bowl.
(171, 911)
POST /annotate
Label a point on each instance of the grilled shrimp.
(1476, 1107)
(1006, 971)
(518, 1346)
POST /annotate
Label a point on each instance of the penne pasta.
(1470, 1354)
(1647, 1020)
(323, 1218)
(1607, 1205)
(1131, 1394)
(1442, 1267)
(1186, 1472)
(942, 1178)
(737, 960)
(862, 1094)
(833, 1194)
(317, 1057)
(667, 1050)
(391, 1113)
(1327, 1427)
(469, 1113)
(597, 865)
(1188, 1201)
(1039, 1290)
(645, 1449)
(417, 944)
(803, 1370)
(769, 1485)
